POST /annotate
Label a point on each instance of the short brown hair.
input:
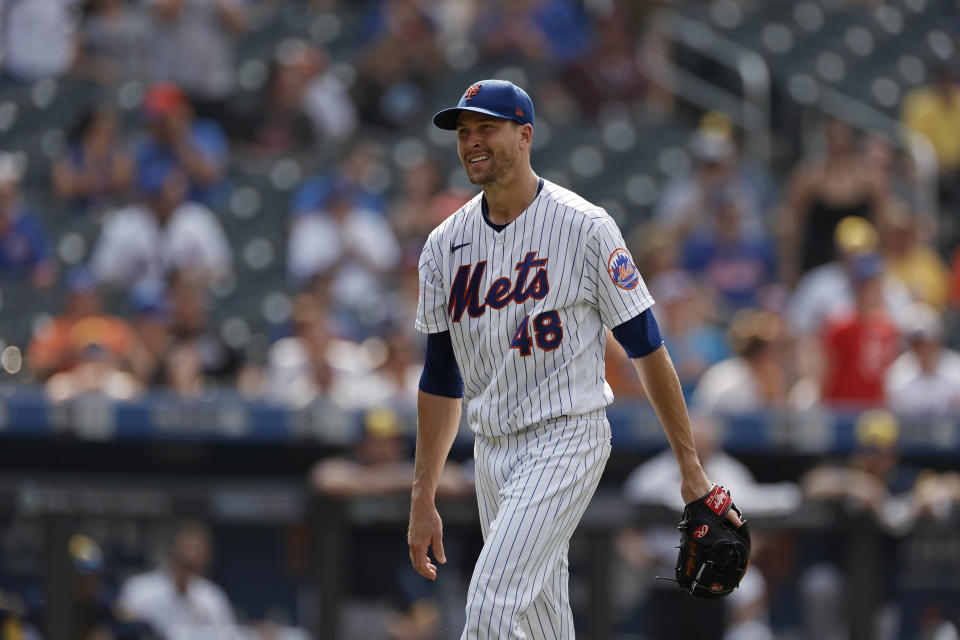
(751, 331)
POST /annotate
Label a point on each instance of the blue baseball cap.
(80, 279)
(497, 98)
(865, 266)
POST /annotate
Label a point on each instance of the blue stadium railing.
(227, 417)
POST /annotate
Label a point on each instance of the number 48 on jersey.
(547, 332)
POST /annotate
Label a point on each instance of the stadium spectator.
(191, 45)
(177, 599)
(914, 263)
(352, 246)
(413, 213)
(38, 38)
(953, 310)
(686, 202)
(647, 484)
(739, 267)
(894, 171)
(151, 321)
(609, 74)
(380, 464)
(173, 135)
(822, 192)
(95, 614)
(827, 290)
(909, 506)
(399, 60)
(298, 367)
(11, 621)
(278, 124)
(655, 248)
(401, 370)
(925, 379)
(352, 174)
(161, 234)
(59, 345)
(182, 370)
(381, 601)
(402, 299)
(934, 112)
(859, 345)
(197, 354)
(326, 98)
(24, 247)
(688, 326)
(757, 377)
(874, 481)
(114, 38)
(549, 32)
(94, 170)
(97, 371)
(390, 378)
(391, 89)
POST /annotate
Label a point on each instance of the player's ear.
(526, 134)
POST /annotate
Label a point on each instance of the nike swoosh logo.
(454, 247)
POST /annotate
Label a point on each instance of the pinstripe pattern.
(533, 487)
(542, 435)
(506, 391)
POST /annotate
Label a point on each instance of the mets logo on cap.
(472, 90)
(622, 270)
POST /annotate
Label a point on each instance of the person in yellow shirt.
(934, 112)
(916, 264)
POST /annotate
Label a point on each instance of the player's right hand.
(425, 531)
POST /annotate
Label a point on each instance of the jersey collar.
(486, 216)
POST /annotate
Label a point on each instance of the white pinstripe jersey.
(526, 307)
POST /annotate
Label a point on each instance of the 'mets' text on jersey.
(527, 307)
(465, 292)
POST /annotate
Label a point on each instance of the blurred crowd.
(154, 183)
(834, 295)
(175, 600)
(825, 284)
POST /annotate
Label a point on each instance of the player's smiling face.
(489, 147)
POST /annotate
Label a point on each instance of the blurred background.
(210, 218)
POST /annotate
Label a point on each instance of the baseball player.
(516, 289)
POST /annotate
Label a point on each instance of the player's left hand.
(425, 531)
(714, 552)
(694, 484)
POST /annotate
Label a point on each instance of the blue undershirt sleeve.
(441, 375)
(640, 335)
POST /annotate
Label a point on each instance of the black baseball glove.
(714, 553)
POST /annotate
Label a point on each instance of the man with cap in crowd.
(688, 201)
(198, 147)
(925, 379)
(827, 290)
(57, 344)
(861, 343)
(161, 234)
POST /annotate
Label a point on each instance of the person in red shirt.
(955, 278)
(860, 344)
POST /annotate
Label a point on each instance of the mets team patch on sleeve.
(622, 270)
